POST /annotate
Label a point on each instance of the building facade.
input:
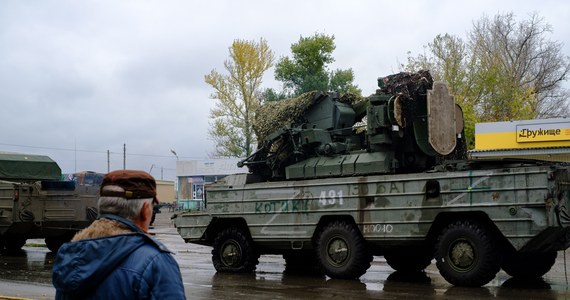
(192, 175)
(165, 192)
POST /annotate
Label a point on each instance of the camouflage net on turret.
(274, 115)
(407, 83)
(408, 88)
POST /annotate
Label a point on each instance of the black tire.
(529, 265)
(467, 254)
(405, 260)
(54, 243)
(342, 251)
(233, 251)
(14, 244)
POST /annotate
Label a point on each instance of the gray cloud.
(78, 78)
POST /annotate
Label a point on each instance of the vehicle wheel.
(409, 260)
(14, 244)
(529, 265)
(467, 255)
(342, 251)
(54, 243)
(233, 251)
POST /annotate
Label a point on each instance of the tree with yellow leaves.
(238, 95)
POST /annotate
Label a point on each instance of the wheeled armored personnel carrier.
(36, 203)
(337, 180)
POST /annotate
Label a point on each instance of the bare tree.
(531, 67)
(505, 71)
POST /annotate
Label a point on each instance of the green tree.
(505, 71)
(238, 95)
(307, 69)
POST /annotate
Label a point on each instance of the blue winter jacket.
(125, 266)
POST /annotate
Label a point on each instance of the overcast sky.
(80, 78)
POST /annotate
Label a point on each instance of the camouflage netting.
(275, 115)
(408, 88)
(408, 84)
(352, 98)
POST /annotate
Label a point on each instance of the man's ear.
(146, 212)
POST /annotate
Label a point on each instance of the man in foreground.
(115, 258)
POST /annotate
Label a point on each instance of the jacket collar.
(124, 221)
(136, 229)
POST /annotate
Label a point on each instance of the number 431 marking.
(331, 197)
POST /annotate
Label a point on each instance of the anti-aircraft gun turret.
(406, 126)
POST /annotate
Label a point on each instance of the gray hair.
(120, 206)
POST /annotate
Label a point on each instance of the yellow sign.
(524, 134)
(543, 132)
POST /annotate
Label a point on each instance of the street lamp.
(174, 152)
(177, 182)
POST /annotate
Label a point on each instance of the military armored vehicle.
(337, 180)
(36, 203)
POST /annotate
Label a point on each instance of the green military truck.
(36, 203)
(338, 180)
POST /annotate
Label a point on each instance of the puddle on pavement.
(273, 281)
(32, 264)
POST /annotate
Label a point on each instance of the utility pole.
(108, 161)
(124, 156)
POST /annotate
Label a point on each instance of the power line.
(52, 148)
(93, 151)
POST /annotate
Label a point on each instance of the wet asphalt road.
(28, 275)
